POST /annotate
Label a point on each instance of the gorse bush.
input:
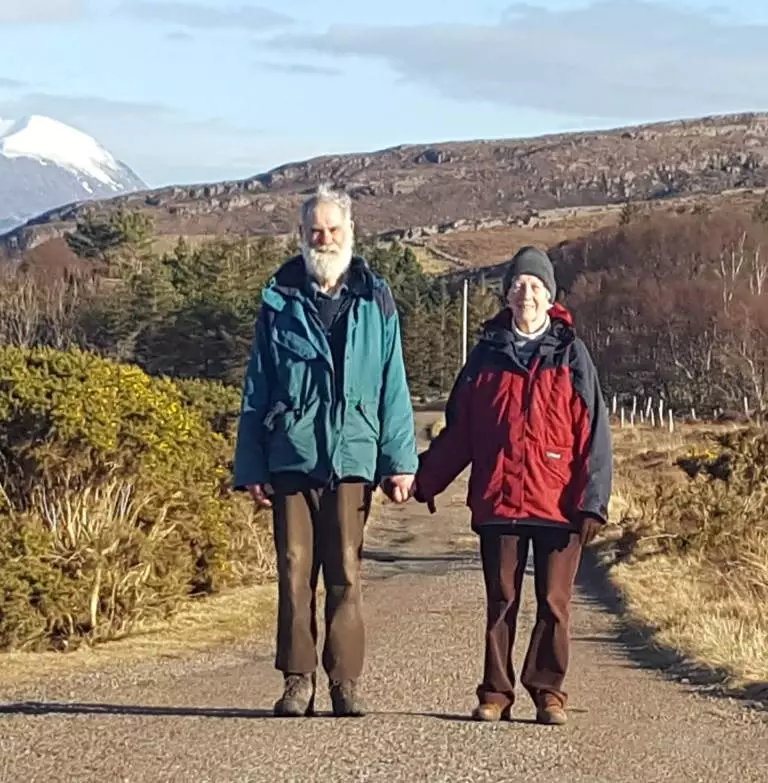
(218, 403)
(720, 513)
(115, 502)
(690, 555)
(726, 501)
(71, 413)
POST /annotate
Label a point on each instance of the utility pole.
(464, 324)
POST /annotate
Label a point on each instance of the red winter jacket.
(538, 438)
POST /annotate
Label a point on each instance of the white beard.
(326, 266)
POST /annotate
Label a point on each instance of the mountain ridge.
(429, 185)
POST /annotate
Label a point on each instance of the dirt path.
(207, 719)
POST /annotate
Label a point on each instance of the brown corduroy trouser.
(556, 555)
(318, 528)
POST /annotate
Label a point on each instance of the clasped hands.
(398, 488)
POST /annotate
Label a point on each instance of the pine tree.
(120, 242)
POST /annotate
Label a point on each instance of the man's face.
(327, 243)
(329, 231)
(528, 298)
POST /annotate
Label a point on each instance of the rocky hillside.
(487, 182)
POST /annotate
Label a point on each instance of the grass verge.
(690, 559)
(210, 622)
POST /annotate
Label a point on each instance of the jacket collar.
(291, 280)
(498, 334)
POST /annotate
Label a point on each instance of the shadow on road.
(637, 641)
(459, 718)
(384, 556)
(78, 708)
(40, 708)
(384, 563)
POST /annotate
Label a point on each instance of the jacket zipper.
(529, 381)
(332, 480)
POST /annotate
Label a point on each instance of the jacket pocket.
(369, 414)
(294, 344)
(300, 370)
(557, 461)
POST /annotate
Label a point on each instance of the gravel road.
(208, 718)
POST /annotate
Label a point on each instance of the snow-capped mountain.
(45, 164)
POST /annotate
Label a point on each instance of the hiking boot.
(298, 697)
(550, 711)
(344, 700)
(491, 712)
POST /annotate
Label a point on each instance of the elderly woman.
(528, 415)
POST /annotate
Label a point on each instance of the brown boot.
(298, 699)
(345, 702)
(491, 712)
(550, 711)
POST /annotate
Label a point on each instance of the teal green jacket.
(292, 415)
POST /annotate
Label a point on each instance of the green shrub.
(116, 503)
(719, 513)
(217, 402)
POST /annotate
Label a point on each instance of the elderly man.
(326, 415)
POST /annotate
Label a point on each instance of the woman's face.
(528, 298)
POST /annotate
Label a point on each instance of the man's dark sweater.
(332, 310)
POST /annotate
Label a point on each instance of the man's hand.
(398, 488)
(260, 494)
(590, 526)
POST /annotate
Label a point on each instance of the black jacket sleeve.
(592, 431)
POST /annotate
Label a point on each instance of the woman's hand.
(590, 526)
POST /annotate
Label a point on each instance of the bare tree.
(19, 309)
(38, 313)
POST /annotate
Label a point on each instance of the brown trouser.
(556, 555)
(314, 528)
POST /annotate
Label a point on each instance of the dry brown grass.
(706, 600)
(707, 617)
(207, 623)
(494, 245)
(430, 263)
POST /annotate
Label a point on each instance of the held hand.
(260, 493)
(416, 493)
(590, 526)
(399, 488)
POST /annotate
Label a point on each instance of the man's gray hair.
(325, 194)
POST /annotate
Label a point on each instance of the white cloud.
(299, 69)
(73, 108)
(180, 36)
(204, 17)
(613, 59)
(20, 11)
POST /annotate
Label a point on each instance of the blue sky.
(201, 90)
